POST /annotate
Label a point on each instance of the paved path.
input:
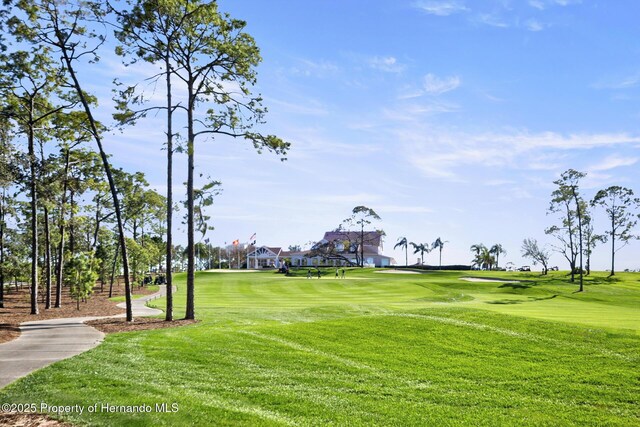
(44, 342)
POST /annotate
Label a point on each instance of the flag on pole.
(253, 237)
(206, 240)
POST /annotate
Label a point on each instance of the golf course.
(375, 348)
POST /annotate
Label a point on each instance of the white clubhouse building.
(345, 252)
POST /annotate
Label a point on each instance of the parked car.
(524, 268)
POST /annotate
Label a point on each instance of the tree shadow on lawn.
(516, 285)
(519, 301)
(595, 280)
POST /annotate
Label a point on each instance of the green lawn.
(371, 349)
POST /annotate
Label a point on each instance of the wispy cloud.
(443, 154)
(436, 86)
(311, 107)
(544, 4)
(533, 25)
(441, 8)
(566, 2)
(363, 197)
(625, 82)
(538, 4)
(320, 68)
(515, 193)
(491, 19)
(614, 161)
(388, 64)
(415, 112)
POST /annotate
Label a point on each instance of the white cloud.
(625, 82)
(415, 112)
(388, 64)
(533, 25)
(441, 8)
(435, 85)
(566, 2)
(543, 4)
(410, 93)
(441, 154)
(538, 4)
(310, 68)
(492, 20)
(614, 161)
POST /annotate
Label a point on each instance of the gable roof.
(268, 251)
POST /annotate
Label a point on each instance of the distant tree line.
(574, 231)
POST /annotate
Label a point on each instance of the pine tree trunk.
(113, 271)
(613, 254)
(60, 266)
(2, 264)
(107, 169)
(47, 255)
(72, 239)
(34, 223)
(190, 309)
(169, 261)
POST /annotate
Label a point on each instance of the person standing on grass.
(318, 273)
(309, 274)
(336, 273)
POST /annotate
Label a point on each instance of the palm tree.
(439, 243)
(477, 249)
(486, 258)
(402, 243)
(422, 248)
(497, 249)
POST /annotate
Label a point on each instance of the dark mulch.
(8, 332)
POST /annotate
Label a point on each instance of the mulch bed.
(17, 308)
(30, 420)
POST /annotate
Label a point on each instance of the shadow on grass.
(506, 301)
(515, 286)
(543, 298)
(520, 301)
(609, 280)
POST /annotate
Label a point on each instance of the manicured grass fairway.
(372, 349)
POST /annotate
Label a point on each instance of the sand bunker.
(399, 271)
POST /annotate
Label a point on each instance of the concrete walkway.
(44, 342)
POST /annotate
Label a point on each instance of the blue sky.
(450, 118)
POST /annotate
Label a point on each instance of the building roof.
(277, 251)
